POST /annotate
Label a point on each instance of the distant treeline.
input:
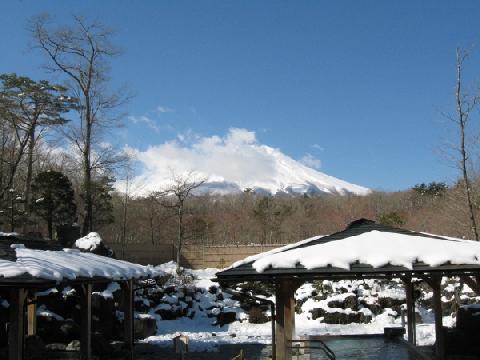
(249, 218)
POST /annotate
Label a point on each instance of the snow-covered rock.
(89, 242)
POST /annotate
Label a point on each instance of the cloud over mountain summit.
(232, 163)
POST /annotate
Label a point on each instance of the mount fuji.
(232, 164)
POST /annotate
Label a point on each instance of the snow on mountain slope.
(232, 164)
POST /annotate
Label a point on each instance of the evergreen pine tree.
(102, 188)
(54, 200)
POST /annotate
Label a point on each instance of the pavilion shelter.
(364, 250)
(28, 266)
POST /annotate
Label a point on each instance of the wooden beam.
(128, 320)
(86, 321)
(409, 292)
(435, 283)
(16, 323)
(285, 318)
(32, 316)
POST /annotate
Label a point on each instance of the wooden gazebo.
(28, 266)
(364, 250)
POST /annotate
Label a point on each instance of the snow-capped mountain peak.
(232, 164)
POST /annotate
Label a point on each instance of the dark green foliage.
(102, 189)
(256, 316)
(53, 197)
(392, 219)
(12, 213)
(434, 189)
(26, 100)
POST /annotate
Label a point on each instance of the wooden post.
(285, 318)
(16, 323)
(435, 283)
(128, 321)
(86, 322)
(411, 328)
(32, 316)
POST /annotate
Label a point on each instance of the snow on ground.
(205, 335)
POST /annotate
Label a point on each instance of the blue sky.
(359, 85)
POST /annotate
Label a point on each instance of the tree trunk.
(28, 180)
(180, 236)
(462, 120)
(50, 222)
(88, 211)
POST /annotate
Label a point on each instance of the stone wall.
(193, 256)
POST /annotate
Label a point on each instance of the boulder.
(317, 313)
(349, 302)
(346, 318)
(68, 331)
(34, 348)
(145, 327)
(375, 308)
(74, 345)
(55, 347)
(228, 317)
(100, 345)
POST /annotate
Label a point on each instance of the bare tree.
(175, 197)
(465, 104)
(80, 52)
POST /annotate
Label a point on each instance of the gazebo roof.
(363, 250)
(36, 262)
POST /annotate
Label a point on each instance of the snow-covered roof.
(59, 264)
(363, 247)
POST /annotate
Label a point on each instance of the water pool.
(363, 348)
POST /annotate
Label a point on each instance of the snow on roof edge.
(70, 264)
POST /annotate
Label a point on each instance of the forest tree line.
(248, 218)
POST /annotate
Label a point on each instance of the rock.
(227, 317)
(3, 328)
(69, 331)
(100, 345)
(103, 315)
(317, 313)
(74, 345)
(48, 328)
(376, 309)
(169, 312)
(145, 327)
(213, 289)
(140, 306)
(388, 302)
(349, 302)
(34, 348)
(256, 316)
(346, 318)
(170, 289)
(55, 347)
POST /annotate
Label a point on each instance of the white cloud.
(163, 109)
(310, 161)
(235, 160)
(143, 119)
(236, 157)
(318, 147)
